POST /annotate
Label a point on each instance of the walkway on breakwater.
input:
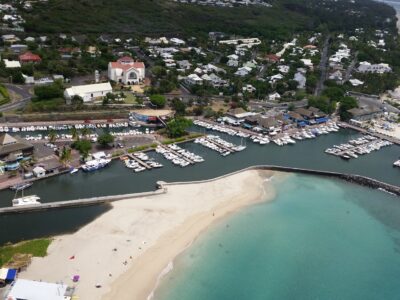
(163, 188)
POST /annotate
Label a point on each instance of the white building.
(39, 172)
(127, 71)
(88, 92)
(366, 67)
(12, 63)
(194, 79)
(39, 290)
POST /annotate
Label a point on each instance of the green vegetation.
(142, 148)
(345, 104)
(177, 127)
(158, 100)
(154, 17)
(105, 139)
(4, 95)
(65, 156)
(83, 147)
(46, 92)
(37, 248)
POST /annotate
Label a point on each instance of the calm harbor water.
(306, 244)
(116, 179)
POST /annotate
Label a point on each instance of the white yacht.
(26, 200)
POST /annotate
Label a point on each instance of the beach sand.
(126, 249)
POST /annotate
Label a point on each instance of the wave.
(164, 272)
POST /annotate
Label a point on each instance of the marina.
(360, 146)
(117, 179)
(178, 156)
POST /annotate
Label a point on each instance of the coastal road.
(323, 67)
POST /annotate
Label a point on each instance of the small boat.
(21, 186)
(26, 200)
(73, 171)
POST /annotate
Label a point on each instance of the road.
(23, 91)
(350, 68)
(323, 67)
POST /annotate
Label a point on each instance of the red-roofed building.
(126, 70)
(28, 57)
(272, 58)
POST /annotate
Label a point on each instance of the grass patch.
(182, 138)
(4, 95)
(130, 99)
(142, 148)
(45, 105)
(37, 248)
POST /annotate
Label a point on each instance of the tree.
(76, 99)
(83, 147)
(51, 91)
(105, 139)
(178, 106)
(52, 136)
(346, 104)
(158, 100)
(65, 156)
(74, 133)
(85, 132)
(177, 127)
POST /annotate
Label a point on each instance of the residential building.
(29, 57)
(10, 64)
(127, 71)
(366, 67)
(14, 146)
(88, 92)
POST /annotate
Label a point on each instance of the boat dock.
(138, 160)
(375, 134)
(178, 154)
(230, 149)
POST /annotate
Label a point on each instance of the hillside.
(157, 16)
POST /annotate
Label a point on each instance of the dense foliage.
(177, 127)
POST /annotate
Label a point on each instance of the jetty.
(178, 154)
(139, 161)
(163, 188)
(230, 149)
(375, 134)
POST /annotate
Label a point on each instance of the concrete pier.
(178, 154)
(141, 162)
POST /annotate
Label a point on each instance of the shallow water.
(319, 239)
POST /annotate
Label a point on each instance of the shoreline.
(126, 249)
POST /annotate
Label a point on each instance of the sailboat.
(25, 200)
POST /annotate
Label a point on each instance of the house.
(308, 63)
(356, 82)
(274, 96)
(249, 88)
(177, 41)
(366, 67)
(194, 79)
(301, 80)
(39, 290)
(29, 57)
(337, 76)
(243, 71)
(275, 78)
(14, 146)
(88, 92)
(18, 48)
(184, 64)
(39, 172)
(10, 64)
(10, 38)
(127, 71)
(272, 58)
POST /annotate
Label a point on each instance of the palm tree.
(65, 156)
(74, 133)
(85, 132)
(52, 136)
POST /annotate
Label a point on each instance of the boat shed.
(12, 145)
(39, 290)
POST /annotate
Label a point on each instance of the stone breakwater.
(163, 188)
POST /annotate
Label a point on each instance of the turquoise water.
(319, 239)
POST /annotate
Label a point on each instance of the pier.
(375, 134)
(138, 160)
(230, 149)
(178, 154)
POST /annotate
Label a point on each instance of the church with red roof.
(126, 70)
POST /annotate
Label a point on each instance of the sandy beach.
(126, 249)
